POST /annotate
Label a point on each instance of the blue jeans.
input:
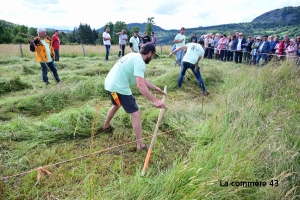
(123, 50)
(179, 56)
(107, 51)
(173, 47)
(186, 66)
(262, 56)
(56, 55)
(53, 68)
(253, 59)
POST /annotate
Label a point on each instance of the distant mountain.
(289, 15)
(141, 25)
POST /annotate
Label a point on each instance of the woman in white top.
(291, 51)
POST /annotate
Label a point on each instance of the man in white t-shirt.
(106, 41)
(179, 41)
(194, 52)
(127, 71)
(134, 42)
(122, 41)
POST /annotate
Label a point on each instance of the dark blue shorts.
(127, 102)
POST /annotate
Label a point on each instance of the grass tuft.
(13, 84)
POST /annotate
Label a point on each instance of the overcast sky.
(168, 14)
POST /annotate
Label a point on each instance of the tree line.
(83, 34)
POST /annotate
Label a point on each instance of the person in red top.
(55, 44)
(280, 49)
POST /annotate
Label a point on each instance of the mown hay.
(54, 99)
(29, 70)
(11, 85)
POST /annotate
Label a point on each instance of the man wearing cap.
(134, 42)
(194, 52)
(239, 49)
(263, 50)
(127, 71)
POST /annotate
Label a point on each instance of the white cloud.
(168, 14)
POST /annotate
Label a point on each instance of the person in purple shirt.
(153, 40)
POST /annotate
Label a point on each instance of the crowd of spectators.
(250, 50)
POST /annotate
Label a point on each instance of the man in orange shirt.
(45, 55)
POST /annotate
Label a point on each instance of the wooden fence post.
(83, 50)
(160, 50)
(21, 51)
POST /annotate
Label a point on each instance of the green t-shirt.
(123, 73)
(193, 52)
(135, 43)
(180, 37)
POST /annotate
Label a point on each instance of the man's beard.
(147, 60)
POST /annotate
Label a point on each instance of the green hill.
(290, 15)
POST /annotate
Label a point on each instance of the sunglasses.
(154, 56)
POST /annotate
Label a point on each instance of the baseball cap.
(240, 33)
(149, 47)
(136, 32)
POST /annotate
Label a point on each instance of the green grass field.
(240, 142)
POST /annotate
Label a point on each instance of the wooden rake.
(160, 117)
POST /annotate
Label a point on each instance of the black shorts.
(127, 102)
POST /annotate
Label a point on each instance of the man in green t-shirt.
(134, 42)
(179, 41)
(127, 71)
